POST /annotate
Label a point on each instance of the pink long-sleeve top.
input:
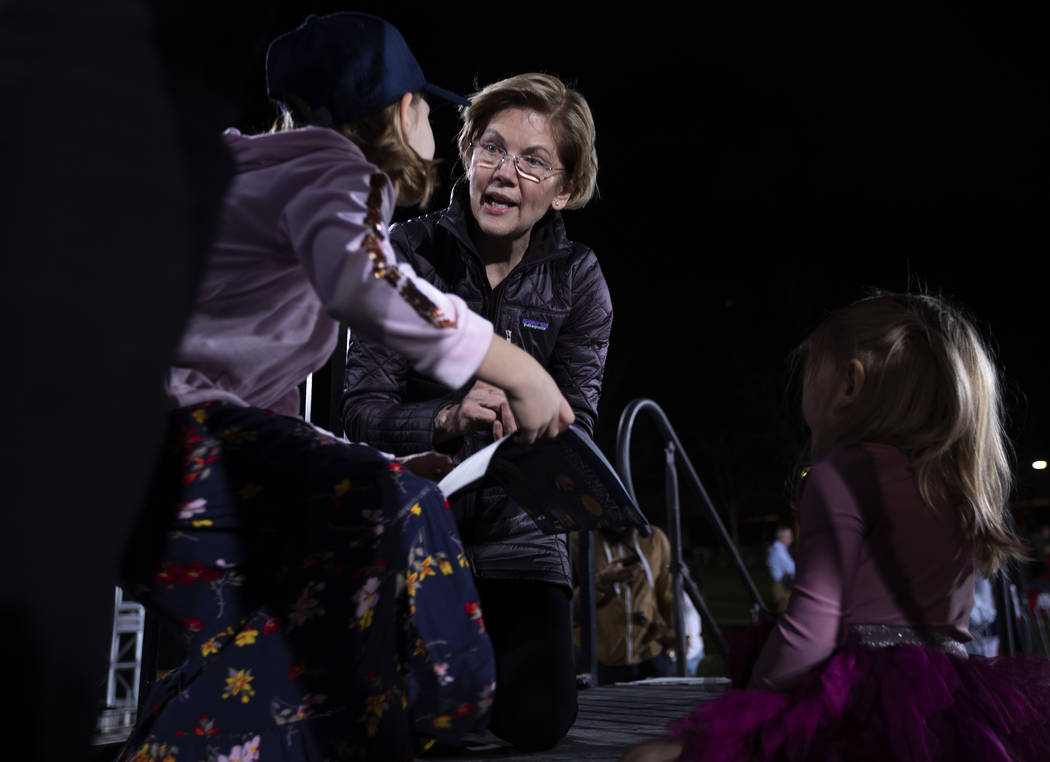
(291, 260)
(870, 552)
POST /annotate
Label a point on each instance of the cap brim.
(447, 95)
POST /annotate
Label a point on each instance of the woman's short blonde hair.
(567, 111)
(381, 139)
(931, 388)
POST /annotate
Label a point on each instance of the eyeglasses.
(491, 156)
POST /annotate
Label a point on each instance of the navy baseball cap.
(346, 66)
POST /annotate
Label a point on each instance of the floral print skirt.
(321, 590)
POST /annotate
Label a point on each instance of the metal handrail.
(675, 453)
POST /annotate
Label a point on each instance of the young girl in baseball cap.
(320, 587)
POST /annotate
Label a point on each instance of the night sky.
(760, 166)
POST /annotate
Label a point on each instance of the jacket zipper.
(494, 296)
(497, 300)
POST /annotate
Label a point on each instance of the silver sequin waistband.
(885, 635)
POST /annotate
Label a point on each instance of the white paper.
(469, 471)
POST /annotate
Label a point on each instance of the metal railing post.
(678, 455)
(588, 609)
(674, 535)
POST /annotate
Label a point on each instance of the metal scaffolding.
(120, 708)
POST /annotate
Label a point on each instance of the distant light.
(1039, 465)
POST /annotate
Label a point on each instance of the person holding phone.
(634, 605)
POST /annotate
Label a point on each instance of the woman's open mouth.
(497, 204)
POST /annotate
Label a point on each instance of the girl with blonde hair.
(906, 499)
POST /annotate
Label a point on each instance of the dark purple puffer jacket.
(555, 305)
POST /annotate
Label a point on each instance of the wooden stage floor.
(612, 719)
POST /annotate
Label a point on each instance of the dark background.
(760, 166)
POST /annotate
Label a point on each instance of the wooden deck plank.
(612, 719)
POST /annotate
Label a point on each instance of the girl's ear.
(853, 383)
(408, 115)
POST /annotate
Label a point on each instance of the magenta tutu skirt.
(905, 702)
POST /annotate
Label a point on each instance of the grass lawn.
(729, 601)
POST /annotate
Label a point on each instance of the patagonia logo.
(536, 325)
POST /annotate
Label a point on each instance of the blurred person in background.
(781, 566)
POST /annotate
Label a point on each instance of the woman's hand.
(484, 407)
(538, 407)
(430, 465)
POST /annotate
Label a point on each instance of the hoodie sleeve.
(337, 225)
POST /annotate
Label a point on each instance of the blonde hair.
(569, 116)
(931, 388)
(382, 141)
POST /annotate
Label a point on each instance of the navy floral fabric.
(326, 604)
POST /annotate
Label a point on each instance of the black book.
(564, 483)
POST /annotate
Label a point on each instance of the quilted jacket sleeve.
(374, 410)
(578, 361)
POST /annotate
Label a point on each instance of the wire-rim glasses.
(529, 166)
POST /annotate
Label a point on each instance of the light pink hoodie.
(289, 263)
